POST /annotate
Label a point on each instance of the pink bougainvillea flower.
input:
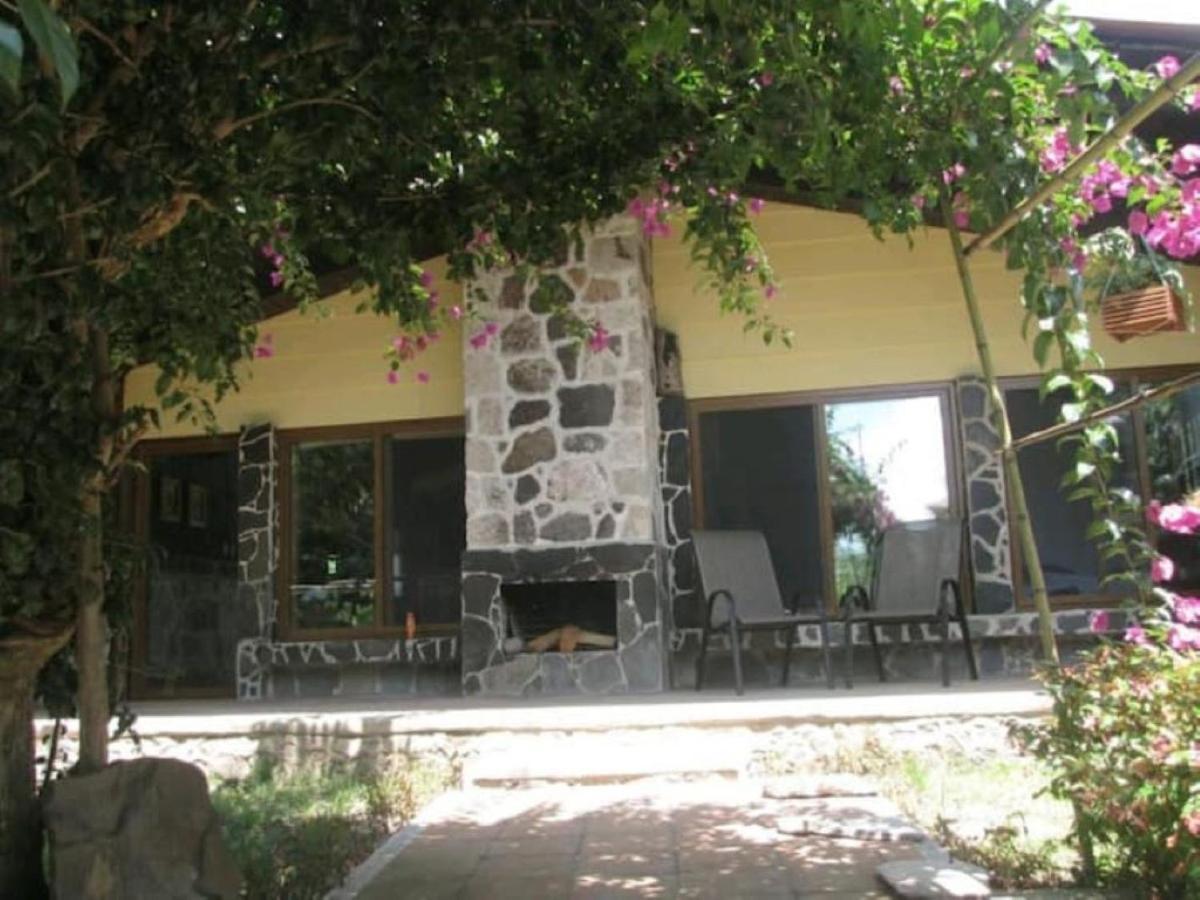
(1195, 103)
(770, 291)
(1162, 569)
(751, 264)
(1042, 54)
(756, 205)
(426, 279)
(478, 340)
(434, 299)
(1186, 610)
(1099, 621)
(263, 351)
(1167, 67)
(952, 174)
(918, 200)
(1138, 222)
(393, 377)
(962, 210)
(1136, 634)
(276, 278)
(1069, 90)
(423, 377)
(711, 190)
(600, 338)
(456, 312)
(966, 72)
(1181, 638)
(1191, 821)
(268, 251)
(1186, 159)
(896, 86)
(766, 79)
(1174, 517)
(421, 343)
(491, 328)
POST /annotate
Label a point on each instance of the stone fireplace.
(563, 497)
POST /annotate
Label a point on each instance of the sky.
(1180, 12)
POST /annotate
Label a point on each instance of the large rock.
(138, 830)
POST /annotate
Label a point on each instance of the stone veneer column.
(258, 519)
(675, 476)
(562, 441)
(988, 514)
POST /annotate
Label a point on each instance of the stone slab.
(921, 879)
(800, 787)
(862, 818)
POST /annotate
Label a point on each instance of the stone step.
(500, 759)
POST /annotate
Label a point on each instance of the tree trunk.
(1012, 472)
(21, 658)
(91, 627)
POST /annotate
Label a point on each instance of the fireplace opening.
(563, 616)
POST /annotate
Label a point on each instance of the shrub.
(298, 835)
(1123, 742)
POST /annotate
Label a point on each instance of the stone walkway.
(656, 838)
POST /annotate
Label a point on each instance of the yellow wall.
(864, 313)
(330, 370)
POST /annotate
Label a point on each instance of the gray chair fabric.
(912, 561)
(914, 581)
(741, 594)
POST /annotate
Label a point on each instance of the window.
(374, 527)
(187, 615)
(821, 476)
(1160, 459)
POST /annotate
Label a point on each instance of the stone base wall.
(637, 665)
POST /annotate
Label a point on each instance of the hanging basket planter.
(1148, 310)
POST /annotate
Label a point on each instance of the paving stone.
(865, 818)
(796, 787)
(920, 879)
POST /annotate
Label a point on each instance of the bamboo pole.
(1121, 130)
(1140, 398)
(1012, 473)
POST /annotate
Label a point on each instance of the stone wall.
(562, 440)
(258, 557)
(674, 463)
(986, 508)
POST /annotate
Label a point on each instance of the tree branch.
(1121, 130)
(226, 127)
(30, 182)
(1138, 399)
(84, 25)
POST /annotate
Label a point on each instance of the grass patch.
(298, 835)
(992, 811)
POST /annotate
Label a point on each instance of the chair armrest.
(721, 594)
(793, 608)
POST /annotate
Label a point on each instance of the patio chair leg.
(875, 649)
(944, 621)
(848, 640)
(787, 656)
(826, 650)
(735, 643)
(965, 628)
(700, 659)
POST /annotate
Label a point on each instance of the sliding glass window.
(822, 476)
(376, 526)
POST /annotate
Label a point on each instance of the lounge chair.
(914, 582)
(742, 594)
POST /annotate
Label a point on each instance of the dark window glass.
(193, 618)
(760, 473)
(426, 529)
(333, 533)
(1070, 562)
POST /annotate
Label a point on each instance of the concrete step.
(589, 756)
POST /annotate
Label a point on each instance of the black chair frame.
(736, 628)
(950, 606)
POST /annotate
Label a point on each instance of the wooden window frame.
(1134, 376)
(135, 504)
(377, 433)
(819, 399)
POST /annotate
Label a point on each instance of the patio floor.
(657, 838)
(473, 715)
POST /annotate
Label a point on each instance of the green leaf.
(12, 48)
(1041, 347)
(12, 483)
(53, 41)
